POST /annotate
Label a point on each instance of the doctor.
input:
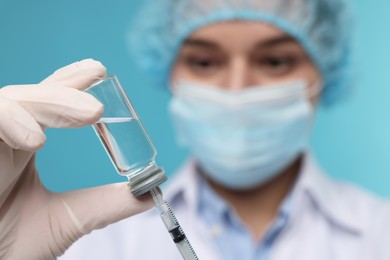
(246, 77)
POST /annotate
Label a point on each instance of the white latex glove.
(34, 222)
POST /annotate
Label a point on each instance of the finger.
(77, 75)
(18, 128)
(56, 106)
(95, 208)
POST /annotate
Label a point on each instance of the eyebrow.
(279, 40)
(201, 43)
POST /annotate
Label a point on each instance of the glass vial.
(125, 138)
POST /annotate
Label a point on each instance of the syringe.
(173, 226)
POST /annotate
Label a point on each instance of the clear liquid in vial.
(126, 142)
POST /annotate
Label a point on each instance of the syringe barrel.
(173, 227)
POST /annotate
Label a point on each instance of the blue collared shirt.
(232, 238)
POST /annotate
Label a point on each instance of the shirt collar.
(215, 203)
(323, 193)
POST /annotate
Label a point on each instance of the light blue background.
(351, 140)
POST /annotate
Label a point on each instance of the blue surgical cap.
(322, 27)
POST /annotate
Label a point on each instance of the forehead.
(239, 33)
(225, 27)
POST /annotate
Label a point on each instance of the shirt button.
(216, 230)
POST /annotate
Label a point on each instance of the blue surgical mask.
(242, 139)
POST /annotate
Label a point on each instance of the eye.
(202, 62)
(277, 64)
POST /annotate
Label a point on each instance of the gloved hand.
(34, 222)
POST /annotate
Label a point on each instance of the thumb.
(95, 208)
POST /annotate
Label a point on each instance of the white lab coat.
(331, 221)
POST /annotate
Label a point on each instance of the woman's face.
(238, 54)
